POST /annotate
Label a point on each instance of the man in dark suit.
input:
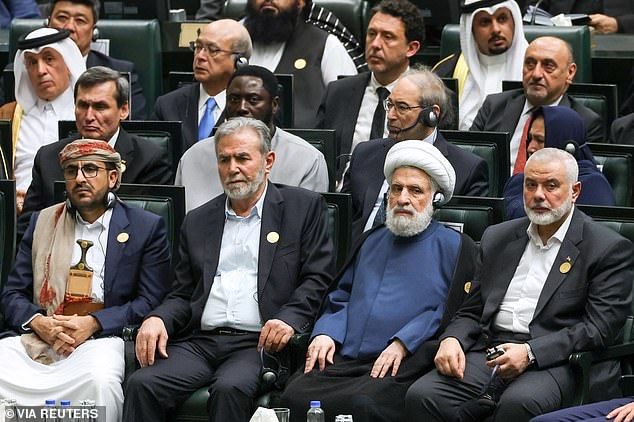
(414, 105)
(80, 18)
(125, 257)
(101, 102)
(546, 286)
(218, 50)
(606, 17)
(548, 71)
(254, 265)
(622, 130)
(353, 105)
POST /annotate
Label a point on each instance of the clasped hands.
(450, 359)
(322, 350)
(152, 337)
(64, 333)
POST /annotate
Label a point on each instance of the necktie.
(520, 161)
(378, 121)
(379, 218)
(208, 121)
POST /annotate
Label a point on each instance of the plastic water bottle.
(315, 413)
(50, 416)
(8, 408)
(88, 411)
(65, 411)
(343, 418)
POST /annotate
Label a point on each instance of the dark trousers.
(228, 364)
(594, 412)
(436, 397)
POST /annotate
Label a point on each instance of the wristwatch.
(529, 352)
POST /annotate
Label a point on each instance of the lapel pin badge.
(565, 266)
(467, 287)
(123, 167)
(300, 64)
(272, 237)
(123, 237)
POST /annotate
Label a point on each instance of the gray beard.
(408, 226)
(550, 217)
(246, 189)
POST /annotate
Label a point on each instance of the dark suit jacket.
(582, 309)
(339, 110)
(96, 58)
(364, 178)
(501, 112)
(180, 105)
(144, 161)
(622, 131)
(622, 10)
(136, 276)
(293, 273)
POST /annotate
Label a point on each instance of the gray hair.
(100, 74)
(431, 88)
(237, 124)
(551, 155)
(243, 45)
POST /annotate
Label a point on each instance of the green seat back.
(577, 36)
(471, 215)
(138, 41)
(324, 141)
(493, 147)
(617, 164)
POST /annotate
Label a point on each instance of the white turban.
(426, 157)
(25, 94)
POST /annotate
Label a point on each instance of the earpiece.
(274, 372)
(240, 61)
(438, 198)
(428, 116)
(109, 201)
(571, 147)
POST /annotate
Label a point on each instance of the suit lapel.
(114, 251)
(376, 178)
(123, 146)
(356, 97)
(190, 122)
(272, 214)
(567, 253)
(512, 114)
(212, 233)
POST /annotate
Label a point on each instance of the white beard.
(408, 226)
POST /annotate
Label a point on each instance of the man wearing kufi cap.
(493, 44)
(546, 286)
(85, 268)
(378, 326)
(48, 63)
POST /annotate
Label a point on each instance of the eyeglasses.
(209, 49)
(401, 108)
(89, 171)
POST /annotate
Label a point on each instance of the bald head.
(548, 70)
(216, 49)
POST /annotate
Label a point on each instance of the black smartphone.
(494, 352)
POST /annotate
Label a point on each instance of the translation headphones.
(274, 372)
(438, 199)
(428, 116)
(571, 147)
(95, 30)
(240, 61)
(109, 201)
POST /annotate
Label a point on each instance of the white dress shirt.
(233, 299)
(520, 301)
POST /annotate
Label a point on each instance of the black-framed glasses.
(210, 49)
(89, 171)
(401, 108)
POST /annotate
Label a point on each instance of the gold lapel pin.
(565, 266)
(273, 237)
(467, 287)
(123, 237)
(300, 64)
(123, 167)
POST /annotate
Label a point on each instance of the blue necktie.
(208, 121)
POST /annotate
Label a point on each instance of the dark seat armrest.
(626, 384)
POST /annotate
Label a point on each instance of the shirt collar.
(63, 102)
(528, 106)
(558, 236)
(103, 221)
(374, 84)
(114, 138)
(256, 210)
(219, 97)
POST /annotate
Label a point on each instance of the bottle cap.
(64, 402)
(49, 402)
(315, 403)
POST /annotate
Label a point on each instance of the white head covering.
(474, 92)
(24, 92)
(426, 157)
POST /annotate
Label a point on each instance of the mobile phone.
(494, 352)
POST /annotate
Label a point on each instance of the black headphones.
(240, 61)
(109, 201)
(428, 116)
(438, 198)
(95, 30)
(274, 372)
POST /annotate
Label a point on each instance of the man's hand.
(513, 362)
(78, 328)
(624, 413)
(390, 357)
(450, 359)
(151, 335)
(48, 329)
(604, 24)
(322, 350)
(274, 335)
